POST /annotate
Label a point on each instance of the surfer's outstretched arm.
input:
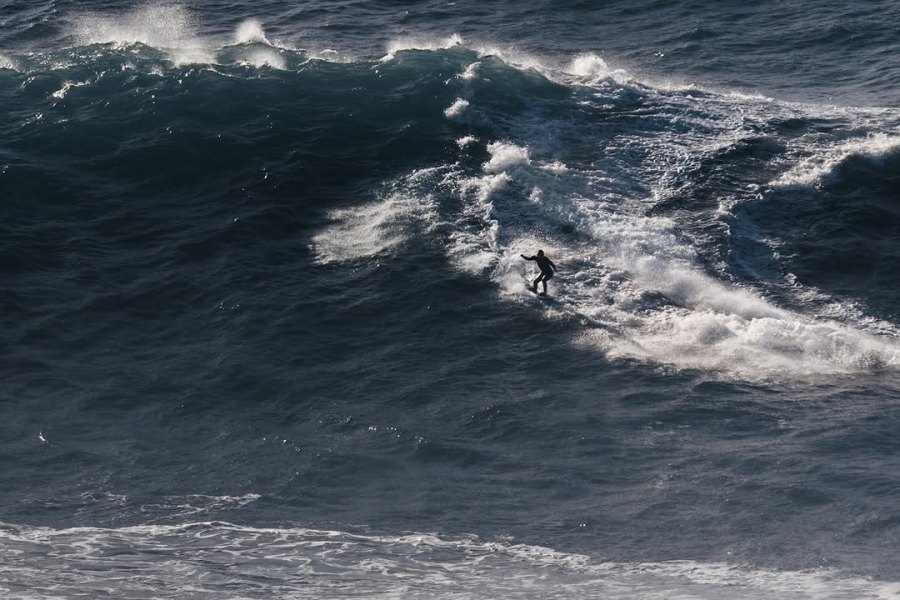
(528, 257)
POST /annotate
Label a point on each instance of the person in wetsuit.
(547, 268)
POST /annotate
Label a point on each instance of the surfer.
(547, 269)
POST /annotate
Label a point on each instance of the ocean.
(267, 330)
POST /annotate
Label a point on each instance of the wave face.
(267, 329)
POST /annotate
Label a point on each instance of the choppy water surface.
(266, 328)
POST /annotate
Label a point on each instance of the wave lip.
(173, 29)
(823, 163)
(157, 25)
(421, 43)
(251, 32)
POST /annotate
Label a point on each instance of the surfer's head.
(540, 252)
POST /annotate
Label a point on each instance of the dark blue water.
(267, 333)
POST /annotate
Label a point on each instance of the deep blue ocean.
(266, 330)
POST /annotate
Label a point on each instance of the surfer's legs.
(543, 279)
(540, 278)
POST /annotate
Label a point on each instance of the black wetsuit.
(544, 264)
(547, 268)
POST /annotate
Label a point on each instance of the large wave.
(631, 188)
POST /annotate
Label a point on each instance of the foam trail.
(690, 320)
(68, 85)
(221, 560)
(374, 228)
(639, 289)
(823, 163)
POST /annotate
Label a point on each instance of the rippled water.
(267, 328)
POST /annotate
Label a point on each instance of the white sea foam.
(591, 68)
(826, 158)
(169, 27)
(638, 288)
(7, 63)
(474, 249)
(250, 32)
(467, 140)
(666, 310)
(457, 108)
(68, 85)
(173, 29)
(505, 155)
(228, 561)
(421, 43)
(556, 167)
(471, 72)
(159, 25)
(374, 228)
(330, 55)
(514, 57)
(263, 58)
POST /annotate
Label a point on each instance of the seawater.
(267, 332)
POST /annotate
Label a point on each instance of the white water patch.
(556, 167)
(660, 307)
(258, 51)
(515, 57)
(421, 43)
(591, 69)
(471, 72)
(157, 25)
(505, 155)
(638, 288)
(474, 250)
(330, 55)
(169, 27)
(68, 85)
(826, 159)
(510, 55)
(263, 57)
(250, 32)
(221, 560)
(467, 140)
(474, 245)
(372, 229)
(7, 63)
(457, 108)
